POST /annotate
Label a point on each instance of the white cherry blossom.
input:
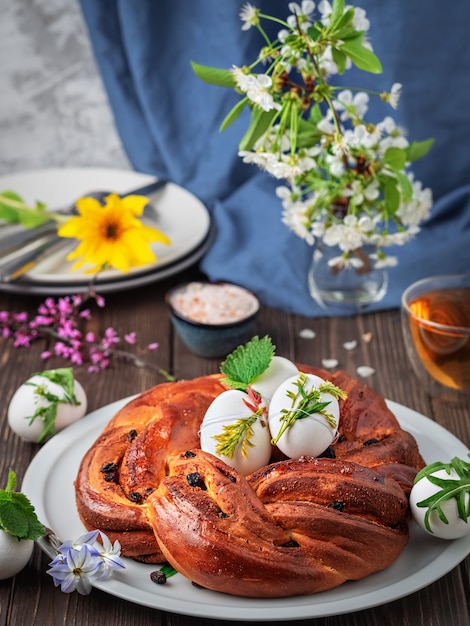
(249, 16)
(351, 105)
(256, 87)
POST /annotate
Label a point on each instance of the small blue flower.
(81, 562)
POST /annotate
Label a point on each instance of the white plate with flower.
(424, 560)
(177, 213)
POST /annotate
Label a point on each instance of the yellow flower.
(111, 235)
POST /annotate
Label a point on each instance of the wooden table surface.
(31, 598)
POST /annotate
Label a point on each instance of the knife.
(25, 252)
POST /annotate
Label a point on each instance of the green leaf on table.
(14, 210)
(247, 362)
(214, 75)
(17, 515)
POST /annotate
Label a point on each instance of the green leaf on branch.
(308, 133)
(348, 32)
(337, 11)
(214, 75)
(343, 25)
(259, 124)
(314, 32)
(417, 149)
(395, 158)
(233, 114)
(391, 195)
(315, 115)
(361, 56)
(340, 59)
(405, 186)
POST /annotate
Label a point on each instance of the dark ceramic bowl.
(212, 319)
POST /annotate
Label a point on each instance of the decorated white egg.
(304, 415)
(423, 489)
(279, 370)
(14, 554)
(233, 432)
(46, 399)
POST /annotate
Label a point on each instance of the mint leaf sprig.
(17, 515)
(306, 403)
(247, 362)
(448, 488)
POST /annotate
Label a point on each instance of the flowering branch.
(63, 321)
(347, 179)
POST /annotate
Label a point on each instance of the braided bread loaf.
(293, 527)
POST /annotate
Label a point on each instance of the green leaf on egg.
(48, 413)
(449, 488)
(247, 362)
(305, 403)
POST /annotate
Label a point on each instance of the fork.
(25, 249)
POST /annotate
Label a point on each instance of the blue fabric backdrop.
(168, 122)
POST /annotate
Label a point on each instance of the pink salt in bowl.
(212, 319)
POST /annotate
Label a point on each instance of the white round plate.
(179, 214)
(48, 483)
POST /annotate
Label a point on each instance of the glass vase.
(349, 288)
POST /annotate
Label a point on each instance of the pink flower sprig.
(63, 320)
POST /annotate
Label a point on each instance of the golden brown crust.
(300, 528)
(281, 531)
(133, 447)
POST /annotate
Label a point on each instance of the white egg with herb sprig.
(234, 427)
(440, 499)
(279, 370)
(304, 415)
(235, 430)
(46, 403)
(19, 528)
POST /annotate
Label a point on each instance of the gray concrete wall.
(53, 108)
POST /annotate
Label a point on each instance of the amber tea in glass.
(436, 327)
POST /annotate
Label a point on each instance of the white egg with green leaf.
(279, 370)
(304, 415)
(235, 430)
(46, 403)
(19, 528)
(440, 499)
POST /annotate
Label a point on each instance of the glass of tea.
(435, 314)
